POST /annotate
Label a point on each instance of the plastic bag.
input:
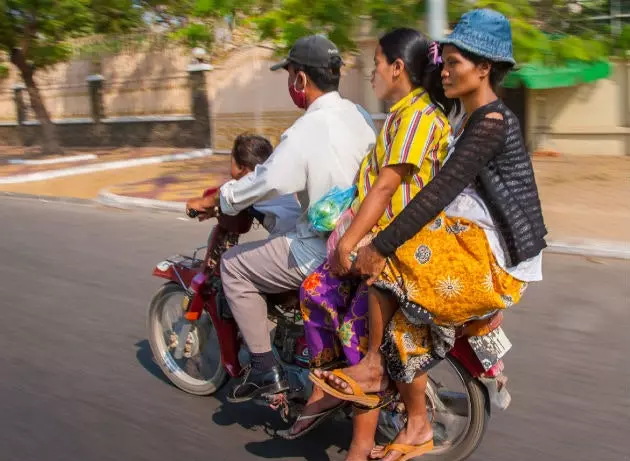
(343, 223)
(324, 213)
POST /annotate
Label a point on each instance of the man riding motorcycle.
(322, 149)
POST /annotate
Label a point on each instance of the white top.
(469, 205)
(322, 149)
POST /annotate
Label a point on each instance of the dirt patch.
(585, 197)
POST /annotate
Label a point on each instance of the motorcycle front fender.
(227, 334)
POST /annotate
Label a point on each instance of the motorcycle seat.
(481, 327)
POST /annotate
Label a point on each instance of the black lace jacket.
(491, 156)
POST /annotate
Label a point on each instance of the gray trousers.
(249, 269)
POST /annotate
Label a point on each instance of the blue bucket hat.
(485, 33)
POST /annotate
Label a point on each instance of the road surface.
(77, 381)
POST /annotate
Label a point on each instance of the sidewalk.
(9, 156)
(179, 181)
(585, 198)
(86, 185)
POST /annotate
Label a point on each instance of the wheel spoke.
(191, 352)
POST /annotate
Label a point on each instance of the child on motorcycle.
(277, 215)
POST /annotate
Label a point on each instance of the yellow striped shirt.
(415, 132)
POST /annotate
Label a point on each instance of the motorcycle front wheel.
(458, 409)
(188, 353)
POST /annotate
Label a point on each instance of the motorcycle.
(198, 346)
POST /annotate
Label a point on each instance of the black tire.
(480, 416)
(175, 374)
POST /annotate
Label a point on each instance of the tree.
(544, 31)
(289, 20)
(193, 22)
(36, 34)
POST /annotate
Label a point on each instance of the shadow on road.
(311, 447)
(254, 416)
(144, 355)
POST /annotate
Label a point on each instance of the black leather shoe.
(256, 384)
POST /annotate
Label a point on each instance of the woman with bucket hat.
(464, 248)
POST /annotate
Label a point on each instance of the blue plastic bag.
(324, 213)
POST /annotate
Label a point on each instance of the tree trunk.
(50, 143)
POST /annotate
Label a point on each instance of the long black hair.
(413, 49)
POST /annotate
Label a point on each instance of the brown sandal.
(357, 396)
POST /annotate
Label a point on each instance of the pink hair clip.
(434, 53)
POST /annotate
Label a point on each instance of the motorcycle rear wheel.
(199, 371)
(469, 404)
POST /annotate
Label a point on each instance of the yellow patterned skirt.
(443, 277)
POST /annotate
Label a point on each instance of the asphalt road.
(77, 381)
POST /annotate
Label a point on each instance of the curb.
(588, 248)
(93, 168)
(592, 248)
(52, 161)
(119, 201)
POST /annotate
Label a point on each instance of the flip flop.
(318, 419)
(385, 398)
(357, 396)
(409, 452)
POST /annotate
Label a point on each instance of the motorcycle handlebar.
(257, 215)
(192, 213)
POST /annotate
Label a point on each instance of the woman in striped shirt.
(409, 152)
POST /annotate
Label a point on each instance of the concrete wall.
(164, 132)
(244, 95)
(587, 119)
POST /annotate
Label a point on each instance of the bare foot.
(369, 374)
(358, 457)
(319, 402)
(358, 453)
(412, 434)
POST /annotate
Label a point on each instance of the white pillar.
(436, 18)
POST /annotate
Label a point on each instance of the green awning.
(540, 77)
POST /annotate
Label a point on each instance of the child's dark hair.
(250, 150)
(412, 48)
(498, 70)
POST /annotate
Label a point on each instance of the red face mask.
(298, 97)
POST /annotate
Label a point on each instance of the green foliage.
(546, 32)
(195, 34)
(41, 29)
(622, 44)
(4, 71)
(293, 19)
